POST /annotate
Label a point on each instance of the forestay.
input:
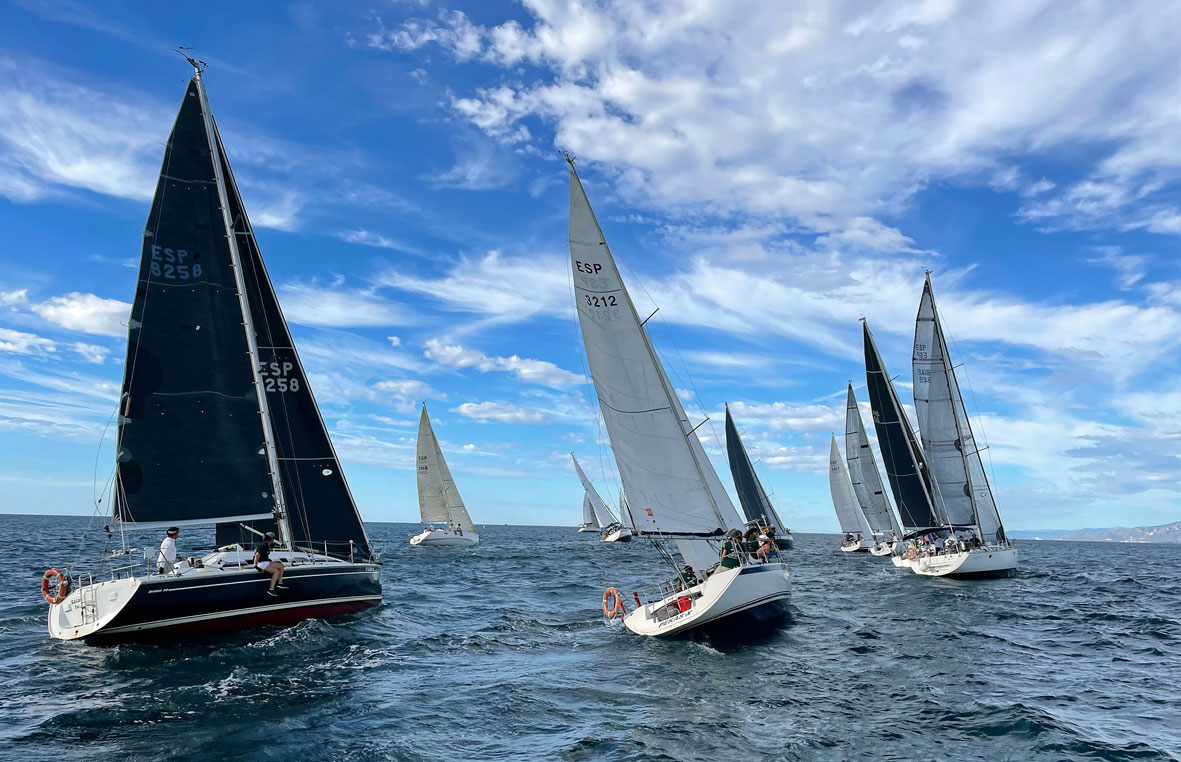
(601, 515)
(191, 439)
(751, 495)
(671, 486)
(844, 500)
(863, 473)
(903, 460)
(438, 497)
(952, 454)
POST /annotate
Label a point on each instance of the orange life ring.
(616, 607)
(911, 553)
(54, 577)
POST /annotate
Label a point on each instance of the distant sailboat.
(438, 497)
(589, 522)
(673, 491)
(867, 483)
(954, 459)
(751, 495)
(858, 535)
(217, 425)
(612, 530)
(919, 506)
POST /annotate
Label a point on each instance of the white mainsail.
(863, 473)
(438, 497)
(952, 453)
(844, 499)
(672, 487)
(601, 515)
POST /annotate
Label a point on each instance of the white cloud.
(504, 289)
(338, 307)
(21, 343)
(526, 369)
(91, 353)
(86, 313)
(828, 113)
(500, 412)
(369, 238)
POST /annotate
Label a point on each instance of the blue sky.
(765, 174)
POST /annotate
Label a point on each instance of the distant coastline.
(1163, 533)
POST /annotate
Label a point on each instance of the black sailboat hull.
(168, 607)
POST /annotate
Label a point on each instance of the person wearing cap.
(689, 576)
(764, 551)
(167, 559)
(263, 562)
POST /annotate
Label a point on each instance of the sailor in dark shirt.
(263, 562)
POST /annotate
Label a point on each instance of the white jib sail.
(863, 472)
(951, 449)
(671, 486)
(844, 500)
(438, 497)
(601, 515)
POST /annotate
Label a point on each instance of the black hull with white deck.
(224, 594)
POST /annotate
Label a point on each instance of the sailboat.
(589, 522)
(919, 506)
(974, 543)
(858, 535)
(612, 530)
(751, 495)
(217, 425)
(867, 483)
(673, 492)
(439, 502)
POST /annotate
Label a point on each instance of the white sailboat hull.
(443, 538)
(988, 561)
(760, 592)
(588, 528)
(853, 547)
(622, 534)
(882, 548)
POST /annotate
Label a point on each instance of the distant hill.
(1162, 533)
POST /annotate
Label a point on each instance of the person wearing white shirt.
(167, 560)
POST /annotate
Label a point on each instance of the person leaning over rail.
(263, 562)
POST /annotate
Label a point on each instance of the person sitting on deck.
(766, 549)
(750, 542)
(730, 550)
(263, 562)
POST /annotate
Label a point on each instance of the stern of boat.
(88, 609)
(978, 563)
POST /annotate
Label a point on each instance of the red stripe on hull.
(234, 623)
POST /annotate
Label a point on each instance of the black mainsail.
(901, 456)
(190, 433)
(755, 504)
(320, 508)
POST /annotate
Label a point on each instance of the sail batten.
(863, 473)
(672, 487)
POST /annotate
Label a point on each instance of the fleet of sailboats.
(217, 426)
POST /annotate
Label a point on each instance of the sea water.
(502, 652)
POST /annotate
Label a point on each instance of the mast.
(281, 517)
